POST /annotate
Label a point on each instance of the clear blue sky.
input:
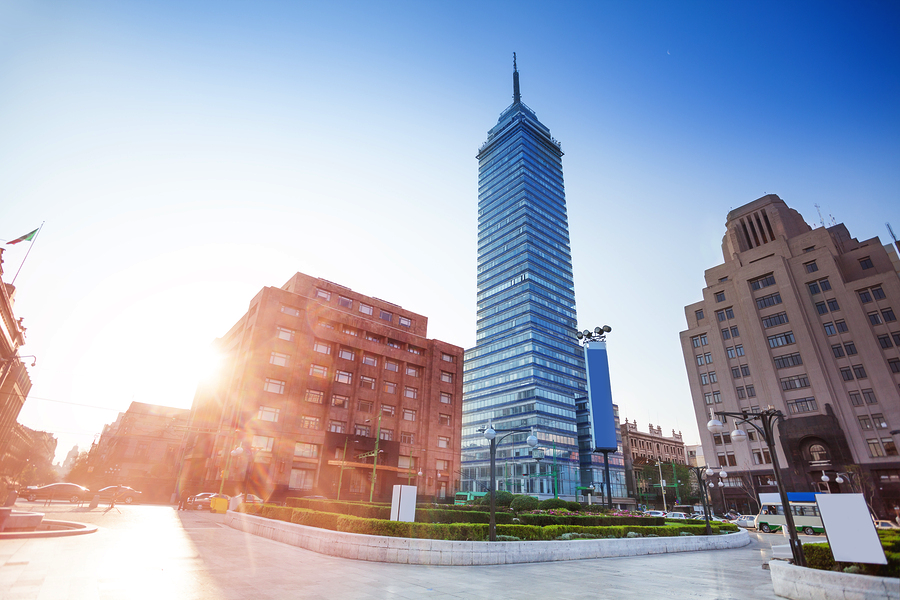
(186, 154)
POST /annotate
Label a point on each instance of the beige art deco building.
(803, 320)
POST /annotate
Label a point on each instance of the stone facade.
(803, 320)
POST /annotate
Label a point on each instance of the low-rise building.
(644, 451)
(319, 381)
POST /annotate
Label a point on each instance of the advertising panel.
(603, 423)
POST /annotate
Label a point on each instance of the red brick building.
(314, 369)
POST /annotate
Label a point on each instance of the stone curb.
(66, 529)
(453, 553)
(802, 583)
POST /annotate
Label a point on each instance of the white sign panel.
(403, 503)
(850, 530)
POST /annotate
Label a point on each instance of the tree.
(81, 471)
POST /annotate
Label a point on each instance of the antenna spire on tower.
(517, 97)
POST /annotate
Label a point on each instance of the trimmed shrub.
(578, 536)
(522, 503)
(575, 506)
(501, 498)
(818, 556)
(589, 520)
(451, 516)
(552, 503)
(507, 538)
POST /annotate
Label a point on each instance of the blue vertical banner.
(603, 422)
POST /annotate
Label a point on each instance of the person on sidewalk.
(182, 502)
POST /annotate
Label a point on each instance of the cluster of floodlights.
(598, 332)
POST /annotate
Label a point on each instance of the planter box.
(802, 583)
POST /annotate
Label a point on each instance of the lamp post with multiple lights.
(490, 434)
(768, 419)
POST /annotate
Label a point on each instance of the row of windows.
(734, 351)
(749, 393)
(723, 315)
(776, 319)
(856, 398)
(881, 447)
(738, 372)
(732, 332)
(885, 340)
(822, 285)
(707, 378)
(699, 340)
(704, 359)
(828, 305)
(802, 405)
(835, 327)
(767, 301)
(886, 316)
(866, 296)
(848, 373)
(762, 282)
(875, 421)
(365, 309)
(849, 348)
(781, 339)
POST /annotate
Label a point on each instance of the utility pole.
(662, 486)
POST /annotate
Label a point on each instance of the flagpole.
(30, 246)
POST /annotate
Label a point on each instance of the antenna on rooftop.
(819, 210)
(517, 97)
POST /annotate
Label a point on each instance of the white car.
(746, 521)
(654, 513)
(886, 525)
(677, 515)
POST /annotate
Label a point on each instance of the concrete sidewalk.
(157, 552)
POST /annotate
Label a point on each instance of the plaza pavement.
(150, 551)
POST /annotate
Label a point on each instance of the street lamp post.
(490, 434)
(768, 419)
(375, 454)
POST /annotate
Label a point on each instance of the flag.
(25, 238)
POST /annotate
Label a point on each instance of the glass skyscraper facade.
(527, 368)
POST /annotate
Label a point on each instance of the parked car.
(677, 515)
(655, 513)
(123, 493)
(202, 501)
(880, 524)
(745, 521)
(199, 501)
(56, 491)
(250, 499)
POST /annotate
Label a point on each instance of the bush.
(818, 556)
(578, 536)
(522, 503)
(455, 516)
(589, 520)
(575, 506)
(554, 503)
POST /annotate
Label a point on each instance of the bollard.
(95, 501)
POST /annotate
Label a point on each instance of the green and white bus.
(803, 507)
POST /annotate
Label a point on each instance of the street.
(152, 551)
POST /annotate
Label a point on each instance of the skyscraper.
(527, 368)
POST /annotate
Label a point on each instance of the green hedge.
(356, 509)
(818, 556)
(434, 515)
(589, 520)
(455, 531)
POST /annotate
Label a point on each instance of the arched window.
(818, 452)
